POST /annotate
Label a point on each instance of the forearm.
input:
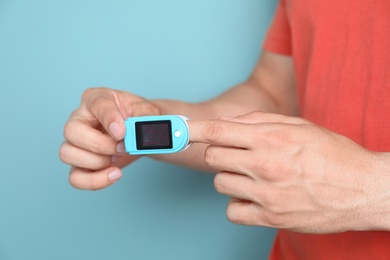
(238, 100)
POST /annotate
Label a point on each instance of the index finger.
(221, 133)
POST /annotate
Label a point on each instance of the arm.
(270, 88)
(95, 130)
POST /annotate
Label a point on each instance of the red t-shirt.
(341, 53)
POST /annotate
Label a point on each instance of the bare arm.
(270, 88)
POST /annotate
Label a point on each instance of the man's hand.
(94, 136)
(286, 172)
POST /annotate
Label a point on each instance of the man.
(322, 178)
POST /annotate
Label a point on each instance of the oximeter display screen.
(153, 135)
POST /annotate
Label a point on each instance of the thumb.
(100, 103)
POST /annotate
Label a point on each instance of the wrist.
(377, 212)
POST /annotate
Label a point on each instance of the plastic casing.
(178, 123)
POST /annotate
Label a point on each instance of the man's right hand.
(94, 135)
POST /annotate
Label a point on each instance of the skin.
(288, 173)
(280, 170)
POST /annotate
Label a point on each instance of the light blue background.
(50, 51)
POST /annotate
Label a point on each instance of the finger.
(133, 105)
(102, 104)
(124, 160)
(78, 157)
(256, 117)
(219, 132)
(229, 159)
(94, 180)
(80, 134)
(244, 212)
(234, 185)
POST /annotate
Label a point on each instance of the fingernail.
(114, 175)
(120, 148)
(115, 158)
(115, 130)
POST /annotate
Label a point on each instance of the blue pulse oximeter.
(156, 134)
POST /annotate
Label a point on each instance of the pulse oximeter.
(156, 134)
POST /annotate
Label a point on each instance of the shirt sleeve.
(278, 37)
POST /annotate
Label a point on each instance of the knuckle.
(233, 215)
(104, 145)
(69, 130)
(214, 131)
(90, 182)
(98, 146)
(270, 170)
(274, 214)
(104, 109)
(282, 136)
(272, 200)
(264, 168)
(96, 105)
(86, 94)
(274, 220)
(73, 180)
(100, 163)
(276, 133)
(89, 92)
(63, 153)
(210, 155)
(266, 198)
(218, 183)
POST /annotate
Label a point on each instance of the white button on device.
(177, 133)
